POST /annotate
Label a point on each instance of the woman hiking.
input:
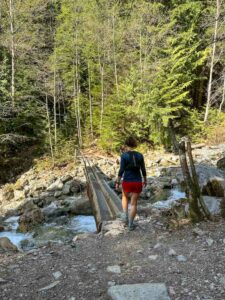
(132, 169)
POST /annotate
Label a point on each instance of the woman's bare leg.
(125, 197)
(133, 211)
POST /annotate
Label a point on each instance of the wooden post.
(198, 209)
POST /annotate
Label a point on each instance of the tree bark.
(197, 209)
(90, 100)
(196, 186)
(12, 32)
(49, 128)
(114, 57)
(78, 98)
(54, 104)
(223, 96)
(209, 90)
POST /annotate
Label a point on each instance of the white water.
(49, 231)
(175, 195)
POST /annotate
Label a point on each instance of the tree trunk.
(197, 209)
(90, 100)
(196, 186)
(101, 69)
(223, 96)
(102, 97)
(140, 58)
(54, 104)
(114, 58)
(49, 128)
(11, 14)
(208, 104)
(78, 98)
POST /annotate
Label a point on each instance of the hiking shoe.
(124, 218)
(131, 227)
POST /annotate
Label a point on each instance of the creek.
(60, 230)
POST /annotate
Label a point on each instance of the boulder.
(27, 205)
(141, 291)
(214, 187)
(66, 188)
(75, 186)
(56, 186)
(7, 193)
(52, 211)
(213, 204)
(29, 219)
(39, 187)
(78, 206)
(7, 245)
(66, 178)
(58, 194)
(221, 163)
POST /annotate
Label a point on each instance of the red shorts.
(132, 187)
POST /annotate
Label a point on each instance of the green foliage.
(108, 69)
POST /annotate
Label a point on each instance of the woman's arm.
(143, 170)
(121, 171)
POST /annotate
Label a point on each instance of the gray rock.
(78, 206)
(209, 242)
(181, 258)
(66, 188)
(58, 194)
(222, 280)
(172, 252)
(214, 187)
(45, 195)
(113, 228)
(153, 257)
(27, 205)
(198, 231)
(75, 186)
(27, 245)
(221, 163)
(114, 269)
(213, 204)
(56, 186)
(66, 178)
(157, 246)
(57, 275)
(142, 291)
(7, 245)
(50, 286)
(29, 219)
(39, 187)
(7, 193)
(52, 211)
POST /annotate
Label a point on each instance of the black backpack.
(134, 163)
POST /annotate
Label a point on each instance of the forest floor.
(189, 260)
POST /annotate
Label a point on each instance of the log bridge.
(105, 202)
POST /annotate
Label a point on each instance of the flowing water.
(63, 229)
(60, 230)
(173, 196)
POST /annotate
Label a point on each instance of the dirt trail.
(143, 255)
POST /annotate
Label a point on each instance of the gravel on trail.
(183, 259)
